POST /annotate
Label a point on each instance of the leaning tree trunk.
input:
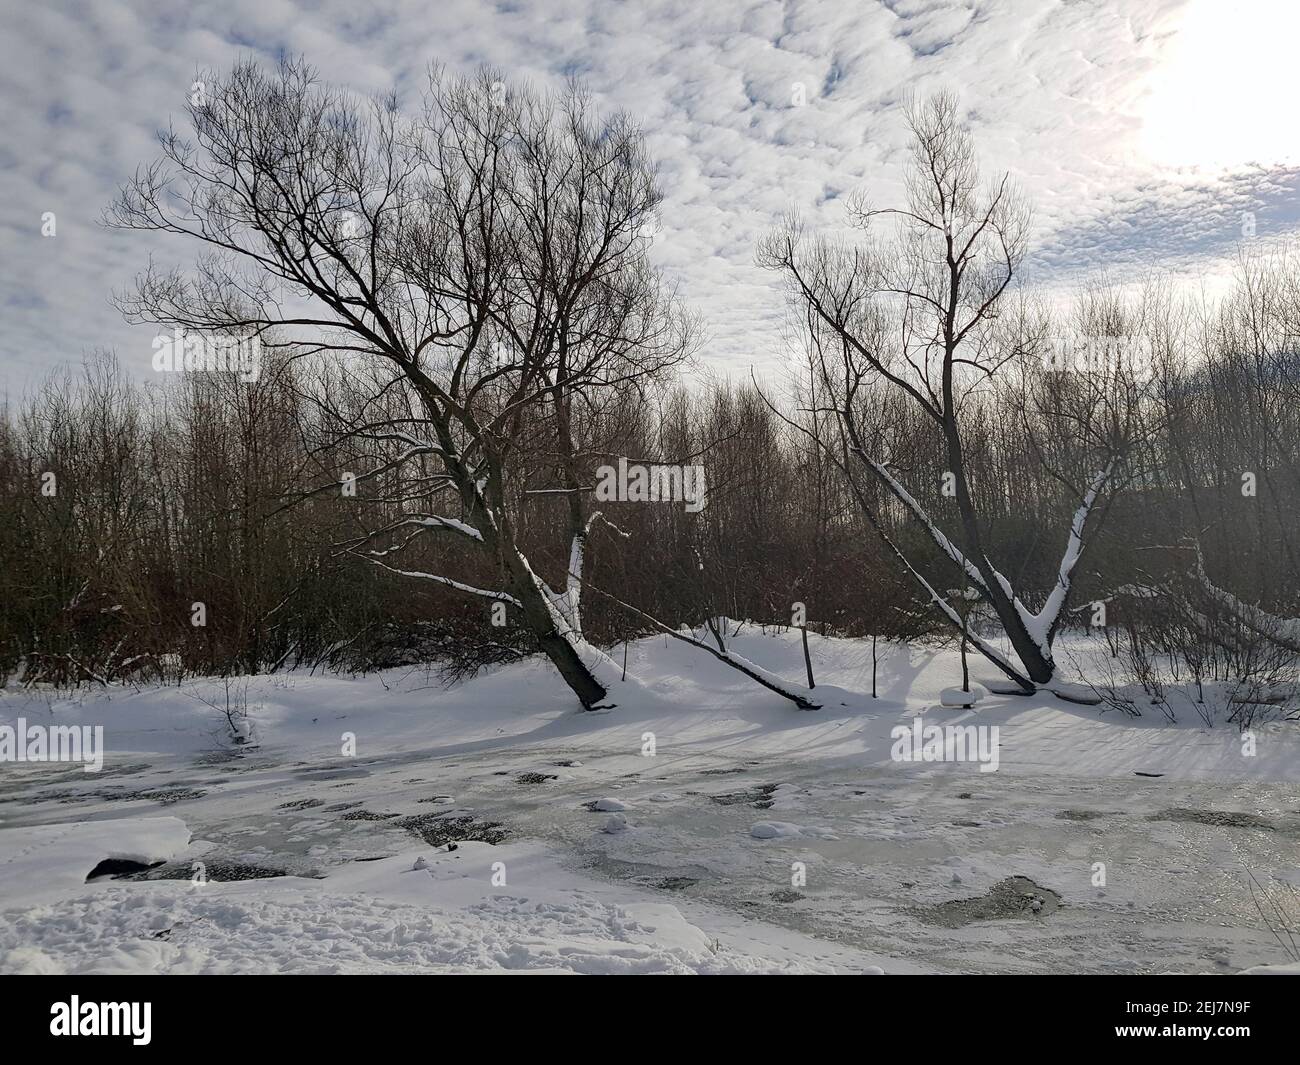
(564, 656)
(1036, 659)
(540, 617)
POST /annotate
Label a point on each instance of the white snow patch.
(42, 864)
(956, 698)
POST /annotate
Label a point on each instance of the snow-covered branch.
(755, 672)
(918, 512)
(571, 601)
(1285, 632)
(486, 593)
(1042, 625)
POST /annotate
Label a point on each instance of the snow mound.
(42, 864)
(608, 806)
(955, 698)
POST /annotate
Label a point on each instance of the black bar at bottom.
(293, 1014)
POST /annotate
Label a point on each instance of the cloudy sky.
(1141, 129)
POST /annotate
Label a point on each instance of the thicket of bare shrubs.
(187, 490)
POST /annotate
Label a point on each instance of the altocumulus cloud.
(752, 107)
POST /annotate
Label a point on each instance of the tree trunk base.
(564, 656)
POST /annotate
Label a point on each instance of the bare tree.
(920, 322)
(484, 260)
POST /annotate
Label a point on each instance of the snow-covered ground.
(705, 825)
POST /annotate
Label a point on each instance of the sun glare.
(1224, 95)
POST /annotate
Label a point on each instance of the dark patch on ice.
(63, 795)
(722, 772)
(734, 798)
(437, 830)
(759, 797)
(219, 871)
(1014, 897)
(965, 795)
(786, 895)
(1080, 815)
(167, 796)
(221, 757)
(649, 874)
(366, 815)
(342, 806)
(567, 763)
(1139, 773)
(111, 770)
(375, 858)
(1215, 818)
(436, 798)
(119, 867)
(21, 774)
(332, 773)
(967, 824)
(300, 804)
(162, 796)
(535, 778)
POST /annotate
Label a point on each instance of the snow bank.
(702, 708)
(503, 909)
(691, 703)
